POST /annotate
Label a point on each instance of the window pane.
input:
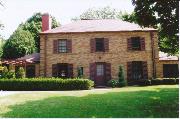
(99, 44)
(136, 44)
(137, 70)
(62, 46)
(100, 70)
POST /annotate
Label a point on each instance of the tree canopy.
(34, 26)
(161, 14)
(25, 39)
(99, 13)
(20, 43)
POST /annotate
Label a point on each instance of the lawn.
(152, 101)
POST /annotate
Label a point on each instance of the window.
(99, 44)
(100, 70)
(136, 43)
(62, 46)
(137, 70)
(170, 71)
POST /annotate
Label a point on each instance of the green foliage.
(101, 13)
(113, 83)
(128, 17)
(25, 39)
(19, 44)
(34, 26)
(143, 82)
(122, 81)
(4, 72)
(80, 72)
(7, 74)
(169, 81)
(2, 42)
(20, 73)
(35, 84)
(163, 15)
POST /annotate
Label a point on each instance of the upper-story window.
(136, 43)
(99, 44)
(62, 46)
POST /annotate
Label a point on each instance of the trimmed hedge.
(165, 81)
(45, 84)
(144, 82)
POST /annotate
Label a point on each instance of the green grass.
(152, 101)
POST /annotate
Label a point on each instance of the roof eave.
(44, 33)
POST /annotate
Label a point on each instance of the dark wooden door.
(30, 71)
(100, 74)
(63, 70)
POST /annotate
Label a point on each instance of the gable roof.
(31, 58)
(105, 25)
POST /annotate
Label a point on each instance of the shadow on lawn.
(160, 103)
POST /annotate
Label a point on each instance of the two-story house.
(98, 48)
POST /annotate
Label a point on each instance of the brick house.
(97, 48)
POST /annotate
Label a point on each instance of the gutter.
(153, 55)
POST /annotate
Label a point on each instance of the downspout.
(153, 55)
(45, 56)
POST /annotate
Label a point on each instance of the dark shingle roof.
(106, 25)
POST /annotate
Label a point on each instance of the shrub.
(10, 75)
(177, 81)
(169, 81)
(143, 82)
(7, 74)
(4, 72)
(113, 83)
(156, 82)
(20, 73)
(44, 84)
(122, 81)
(80, 72)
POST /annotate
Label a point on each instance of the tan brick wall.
(81, 56)
(159, 66)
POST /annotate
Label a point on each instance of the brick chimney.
(46, 22)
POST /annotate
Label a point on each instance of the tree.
(122, 81)
(20, 73)
(20, 43)
(34, 26)
(101, 13)
(128, 17)
(25, 40)
(161, 14)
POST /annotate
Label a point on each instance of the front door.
(100, 74)
(63, 70)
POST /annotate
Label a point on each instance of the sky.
(15, 12)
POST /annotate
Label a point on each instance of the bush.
(156, 82)
(45, 84)
(10, 75)
(20, 73)
(4, 72)
(113, 83)
(122, 81)
(169, 81)
(177, 81)
(143, 82)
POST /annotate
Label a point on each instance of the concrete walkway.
(6, 93)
